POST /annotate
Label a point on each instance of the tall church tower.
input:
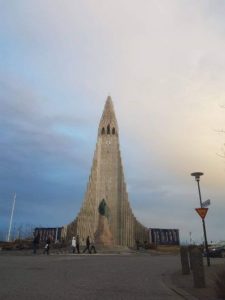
(107, 186)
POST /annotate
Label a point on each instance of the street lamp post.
(197, 178)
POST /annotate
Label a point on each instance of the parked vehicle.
(217, 250)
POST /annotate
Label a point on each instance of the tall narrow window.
(108, 129)
(103, 130)
(113, 131)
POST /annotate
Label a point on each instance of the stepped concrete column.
(184, 260)
(198, 268)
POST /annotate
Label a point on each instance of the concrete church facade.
(106, 215)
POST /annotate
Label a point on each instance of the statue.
(103, 209)
(103, 235)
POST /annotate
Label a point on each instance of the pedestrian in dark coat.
(78, 243)
(92, 246)
(87, 245)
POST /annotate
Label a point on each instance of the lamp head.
(197, 175)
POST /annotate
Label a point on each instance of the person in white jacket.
(73, 245)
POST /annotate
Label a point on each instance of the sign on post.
(202, 211)
(206, 203)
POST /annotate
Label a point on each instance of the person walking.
(87, 245)
(73, 245)
(36, 242)
(92, 246)
(47, 245)
(78, 243)
(137, 244)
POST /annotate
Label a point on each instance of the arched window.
(108, 129)
(113, 131)
(103, 130)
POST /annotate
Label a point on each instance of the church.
(106, 215)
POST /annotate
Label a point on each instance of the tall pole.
(11, 218)
(190, 238)
(203, 224)
(197, 176)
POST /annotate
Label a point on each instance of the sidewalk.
(183, 284)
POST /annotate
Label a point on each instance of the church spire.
(117, 224)
(108, 122)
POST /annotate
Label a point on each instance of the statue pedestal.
(103, 235)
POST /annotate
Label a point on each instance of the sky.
(163, 64)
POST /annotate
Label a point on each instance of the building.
(106, 215)
(55, 233)
(161, 236)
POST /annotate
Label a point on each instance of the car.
(217, 250)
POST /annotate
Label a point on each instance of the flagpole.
(11, 218)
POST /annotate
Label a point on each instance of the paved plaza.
(127, 276)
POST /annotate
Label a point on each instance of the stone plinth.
(103, 235)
